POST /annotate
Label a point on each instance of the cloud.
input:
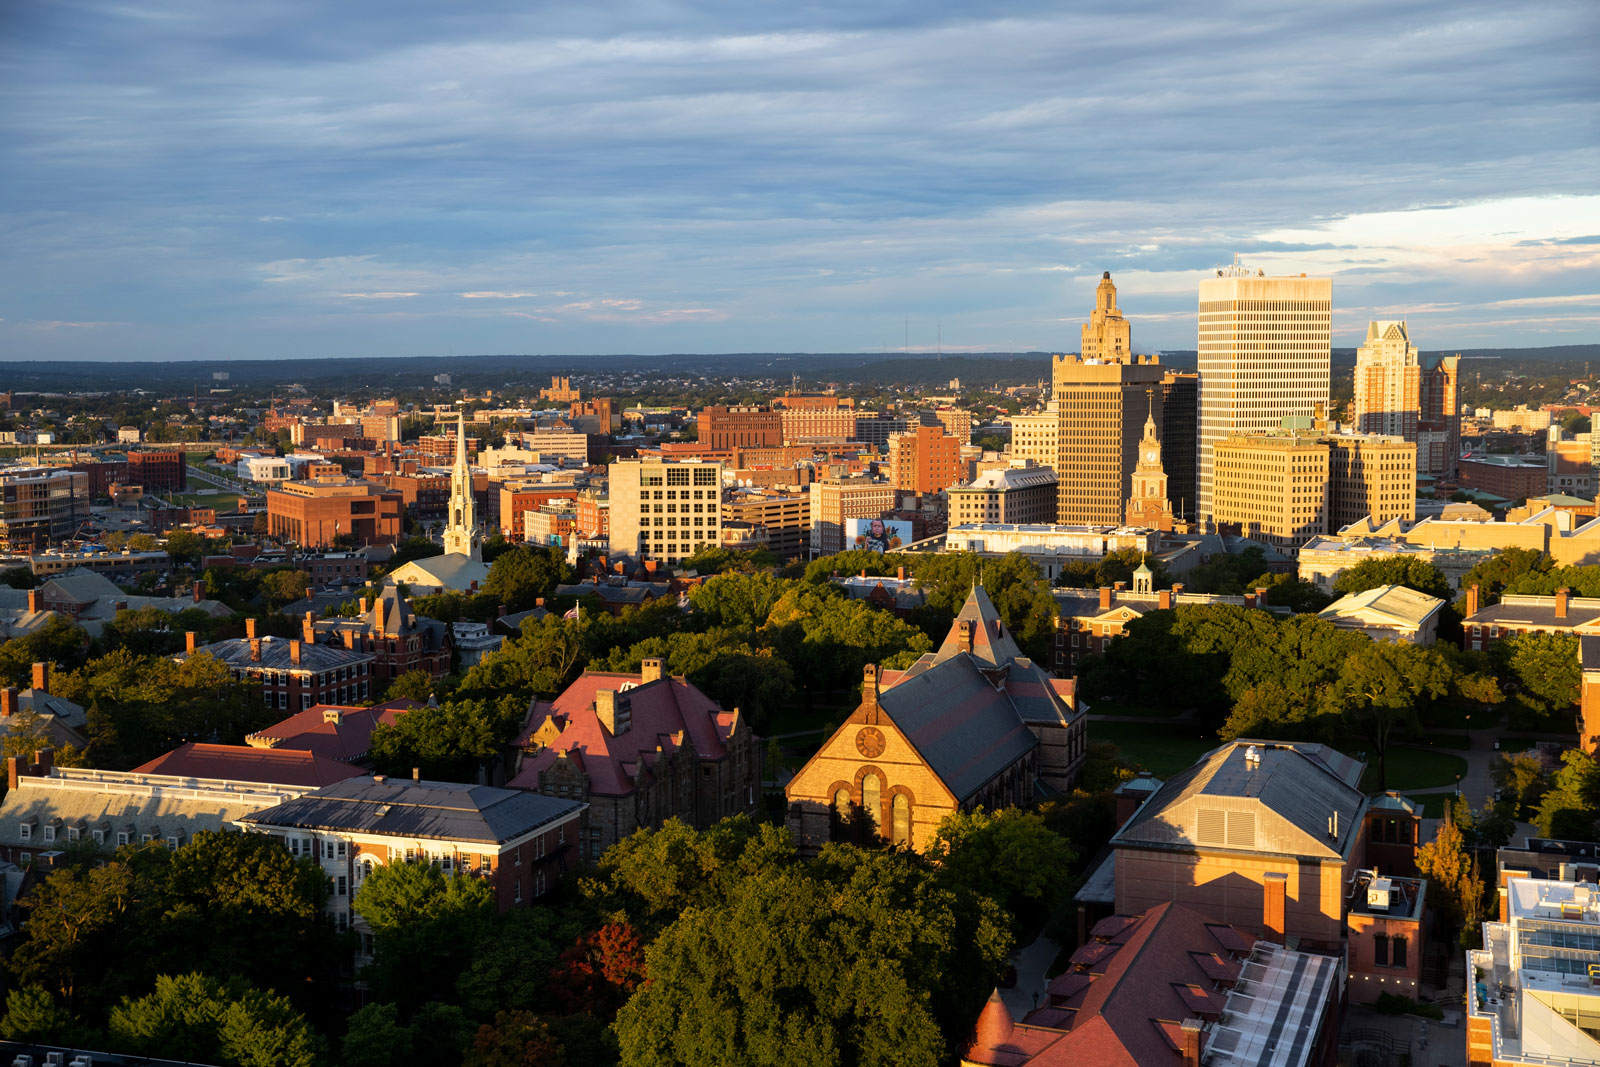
(781, 176)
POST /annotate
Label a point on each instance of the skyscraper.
(1103, 405)
(1388, 382)
(1439, 423)
(1107, 334)
(1264, 350)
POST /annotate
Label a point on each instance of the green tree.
(1009, 856)
(375, 1037)
(193, 1016)
(412, 685)
(32, 1014)
(185, 547)
(284, 586)
(1569, 808)
(1380, 687)
(543, 660)
(1409, 571)
(425, 923)
(1521, 780)
(449, 742)
(1544, 666)
(19, 578)
(511, 967)
(58, 641)
(86, 936)
(1494, 574)
(522, 574)
(1452, 871)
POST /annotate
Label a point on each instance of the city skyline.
(197, 182)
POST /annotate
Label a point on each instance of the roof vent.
(1378, 890)
(1252, 755)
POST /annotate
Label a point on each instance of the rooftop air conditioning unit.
(1378, 894)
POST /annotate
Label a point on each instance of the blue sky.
(184, 180)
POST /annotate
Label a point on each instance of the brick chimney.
(1189, 1040)
(308, 628)
(500, 611)
(1177, 587)
(255, 650)
(869, 693)
(250, 628)
(1562, 595)
(1273, 892)
(650, 669)
(35, 603)
(294, 652)
(1261, 596)
(900, 573)
(1472, 601)
(199, 591)
(613, 713)
(1164, 599)
(8, 701)
(1105, 598)
(965, 634)
(191, 641)
(1119, 586)
(41, 678)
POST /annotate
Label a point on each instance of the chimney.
(1177, 587)
(46, 760)
(13, 770)
(1561, 601)
(416, 774)
(8, 702)
(1273, 891)
(199, 591)
(500, 612)
(1164, 599)
(964, 630)
(1105, 598)
(1261, 595)
(349, 639)
(255, 649)
(250, 628)
(191, 641)
(294, 652)
(900, 573)
(34, 602)
(1189, 1039)
(41, 678)
(612, 712)
(650, 669)
(308, 628)
(863, 572)
(869, 693)
(1472, 601)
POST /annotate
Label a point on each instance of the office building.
(1370, 477)
(159, 472)
(924, 461)
(1264, 351)
(872, 428)
(40, 505)
(817, 426)
(1102, 406)
(662, 509)
(836, 500)
(1022, 493)
(957, 422)
(746, 426)
(783, 517)
(1107, 335)
(315, 514)
(1180, 423)
(1036, 436)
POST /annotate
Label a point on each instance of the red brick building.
(314, 514)
(293, 674)
(165, 471)
(396, 639)
(749, 426)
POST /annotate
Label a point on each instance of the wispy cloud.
(488, 295)
(378, 296)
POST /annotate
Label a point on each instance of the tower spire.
(462, 536)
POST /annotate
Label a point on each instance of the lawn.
(1163, 750)
(1143, 711)
(220, 499)
(1456, 718)
(1414, 768)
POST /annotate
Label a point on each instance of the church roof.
(449, 571)
(991, 642)
(967, 730)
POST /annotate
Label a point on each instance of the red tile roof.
(665, 713)
(332, 731)
(244, 763)
(1121, 1006)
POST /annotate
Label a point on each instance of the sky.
(186, 180)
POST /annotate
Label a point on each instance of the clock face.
(869, 741)
(1149, 457)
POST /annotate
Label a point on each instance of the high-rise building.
(1022, 494)
(874, 428)
(1037, 436)
(1180, 399)
(1264, 351)
(1388, 382)
(1439, 423)
(924, 460)
(1102, 405)
(834, 500)
(1370, 476)
(159, 471)
(661, 509)
(39, 505)
(1107, 335)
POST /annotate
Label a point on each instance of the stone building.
(639, 749)
(398, 640)
(975, 723)
(1021, 494)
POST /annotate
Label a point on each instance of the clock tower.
(1149, 506)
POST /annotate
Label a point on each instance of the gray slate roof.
(965, 728)
(275, 655)
(443, 811)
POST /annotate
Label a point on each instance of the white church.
(461, 567)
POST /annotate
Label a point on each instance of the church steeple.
(461, 535)
(1148, 505)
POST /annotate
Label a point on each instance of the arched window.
(872, 799)
(900, 809)
(841, 803)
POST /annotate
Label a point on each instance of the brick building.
(518, 497)
(924, 461)
(746, 426)
(1520, 614)
(814, 426)
(975, 723)
(1089, 619)
(397, 640)
(165, 471)
(785, 518)
(639, 749)
(835, 500)
(332, 731)
(1510, 477)
(519, 842)
(293, 673)
(314, 514)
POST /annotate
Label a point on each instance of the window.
(1398, 948)
(341, 887)
(516, 892)
(122, 838)
(99, 837)
(538, 884)
(517, 860)
(49, 833)
(872, 798)
(538, 847)
(900, 813)
(72, 833)
(341, 849)
(27, 832)
(1380, 950)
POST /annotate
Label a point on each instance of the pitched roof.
(276, 655)
(81, 586)
(331, 731)
(991, 642)
(449, 571)
(1384, 605)
(967, 730)
(666, 713)
(440, 811)
(246, 763)
(1283, 805)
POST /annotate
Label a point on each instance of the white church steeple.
(462, 536)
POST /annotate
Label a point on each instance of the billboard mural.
(877, 535)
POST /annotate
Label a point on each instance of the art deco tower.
(1107, 335)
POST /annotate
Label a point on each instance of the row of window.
(99, 835)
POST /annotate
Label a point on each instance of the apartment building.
(924, 461)
(665, 510)
(1021, 493)
(741, 426)
(834, 500)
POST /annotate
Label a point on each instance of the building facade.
(835, 500)
(1107, 335)
(925, 460)
(1037, 436)
(1102, 405)
(747, 426)
(39, 506)
(1180, 424)
(1149, 503)
(164, 471)
(662, 509)
(1388, 382)
(1265, 347)
(785, 518)
(293, 674)
(1021, 494)
(315, 514)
